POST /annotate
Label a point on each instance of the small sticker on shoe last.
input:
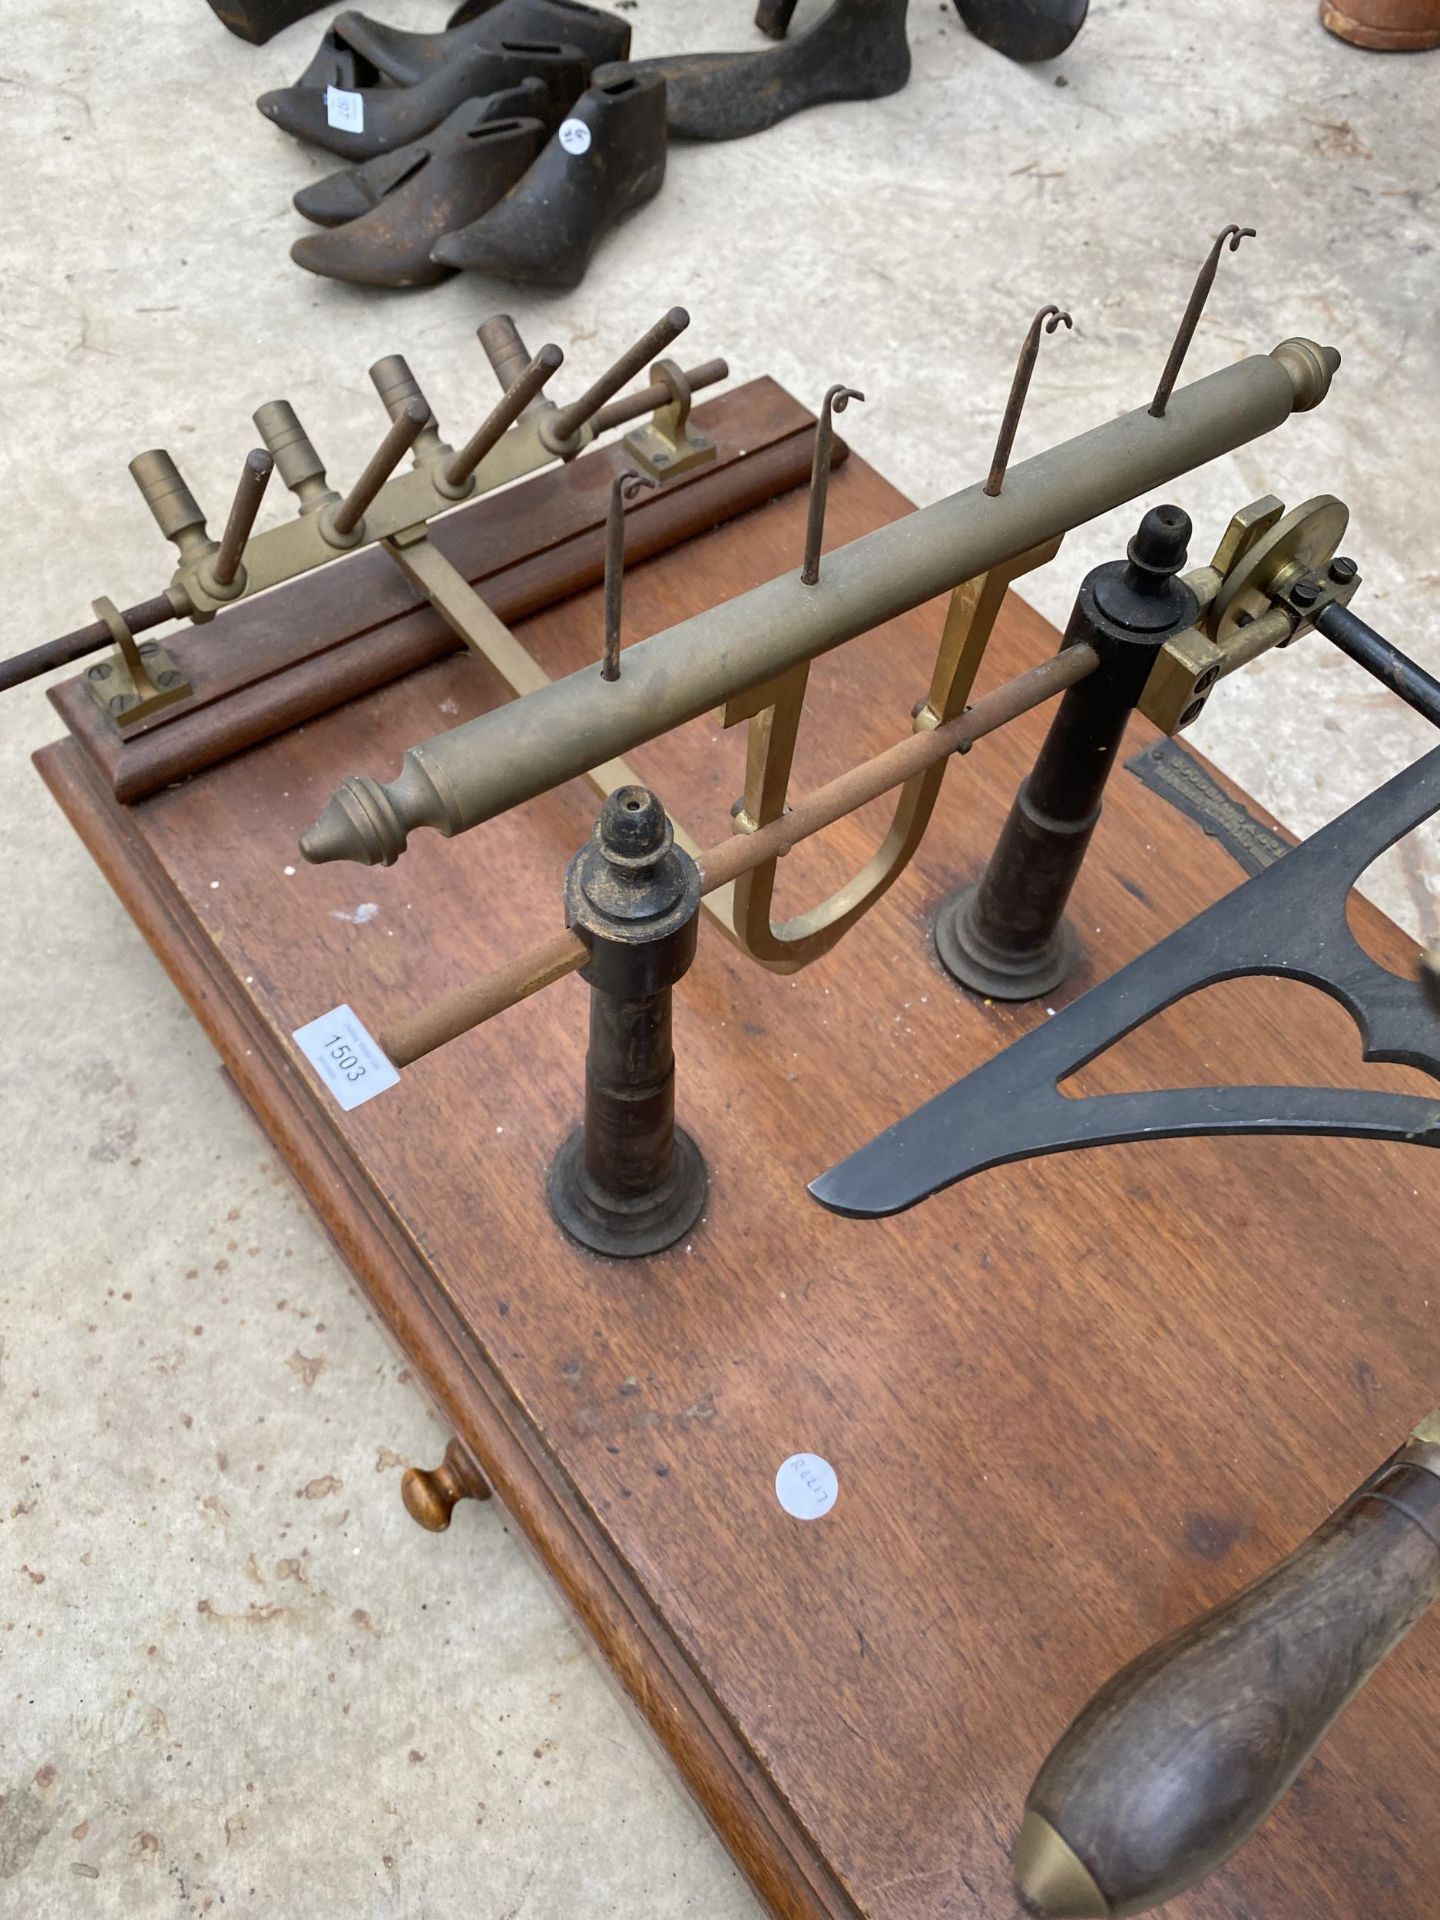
(574, 136)
(346, 1058)
(345, 110)
(806, 1486)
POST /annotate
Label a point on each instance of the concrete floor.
(233, 1673)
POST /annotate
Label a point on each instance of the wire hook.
(836, 400)
(1046, 320)
(1199, 293)
(624, 487)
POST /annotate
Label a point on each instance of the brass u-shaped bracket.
(774, 711)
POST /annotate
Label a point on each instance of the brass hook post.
(624, 487)
(1199, 293)
(835, 401)
(1046, 320)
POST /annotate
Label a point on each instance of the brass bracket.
(137, 680)
(667, 444)
(1248, 602)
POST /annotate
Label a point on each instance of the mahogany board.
(1070, 1403)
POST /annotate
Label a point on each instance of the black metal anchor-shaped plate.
(1287, 921)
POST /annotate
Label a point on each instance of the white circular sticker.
(574, 136)
(806, 1486)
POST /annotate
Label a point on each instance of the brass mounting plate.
(662, 458)
(111, 687)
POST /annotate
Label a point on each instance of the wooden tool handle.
(1181, 1755)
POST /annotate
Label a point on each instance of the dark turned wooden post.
(1007, 937)
(628, 1181)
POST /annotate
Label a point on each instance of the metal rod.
(456, 1012)
(254, 478)
(59, 652)
(1382, 658)
(404, 428)
(507, 410)
(1190, 319)
(1049, 319)
(563, 425)
(836, 400)
(631, 406)
(624, 487)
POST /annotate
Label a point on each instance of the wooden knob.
(1180, 1756)
(431, 1495)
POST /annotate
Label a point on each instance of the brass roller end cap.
(360, 823)
(1049, 1877)
(1311, 369)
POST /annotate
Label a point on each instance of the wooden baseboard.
(1070, 1403)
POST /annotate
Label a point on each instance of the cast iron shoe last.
(257, 20)
(392, 116)
(403, 58)
(1025, 30)
(607, 159)
(856, 50)
(390, 245)
(355, 191)
(336, 64)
